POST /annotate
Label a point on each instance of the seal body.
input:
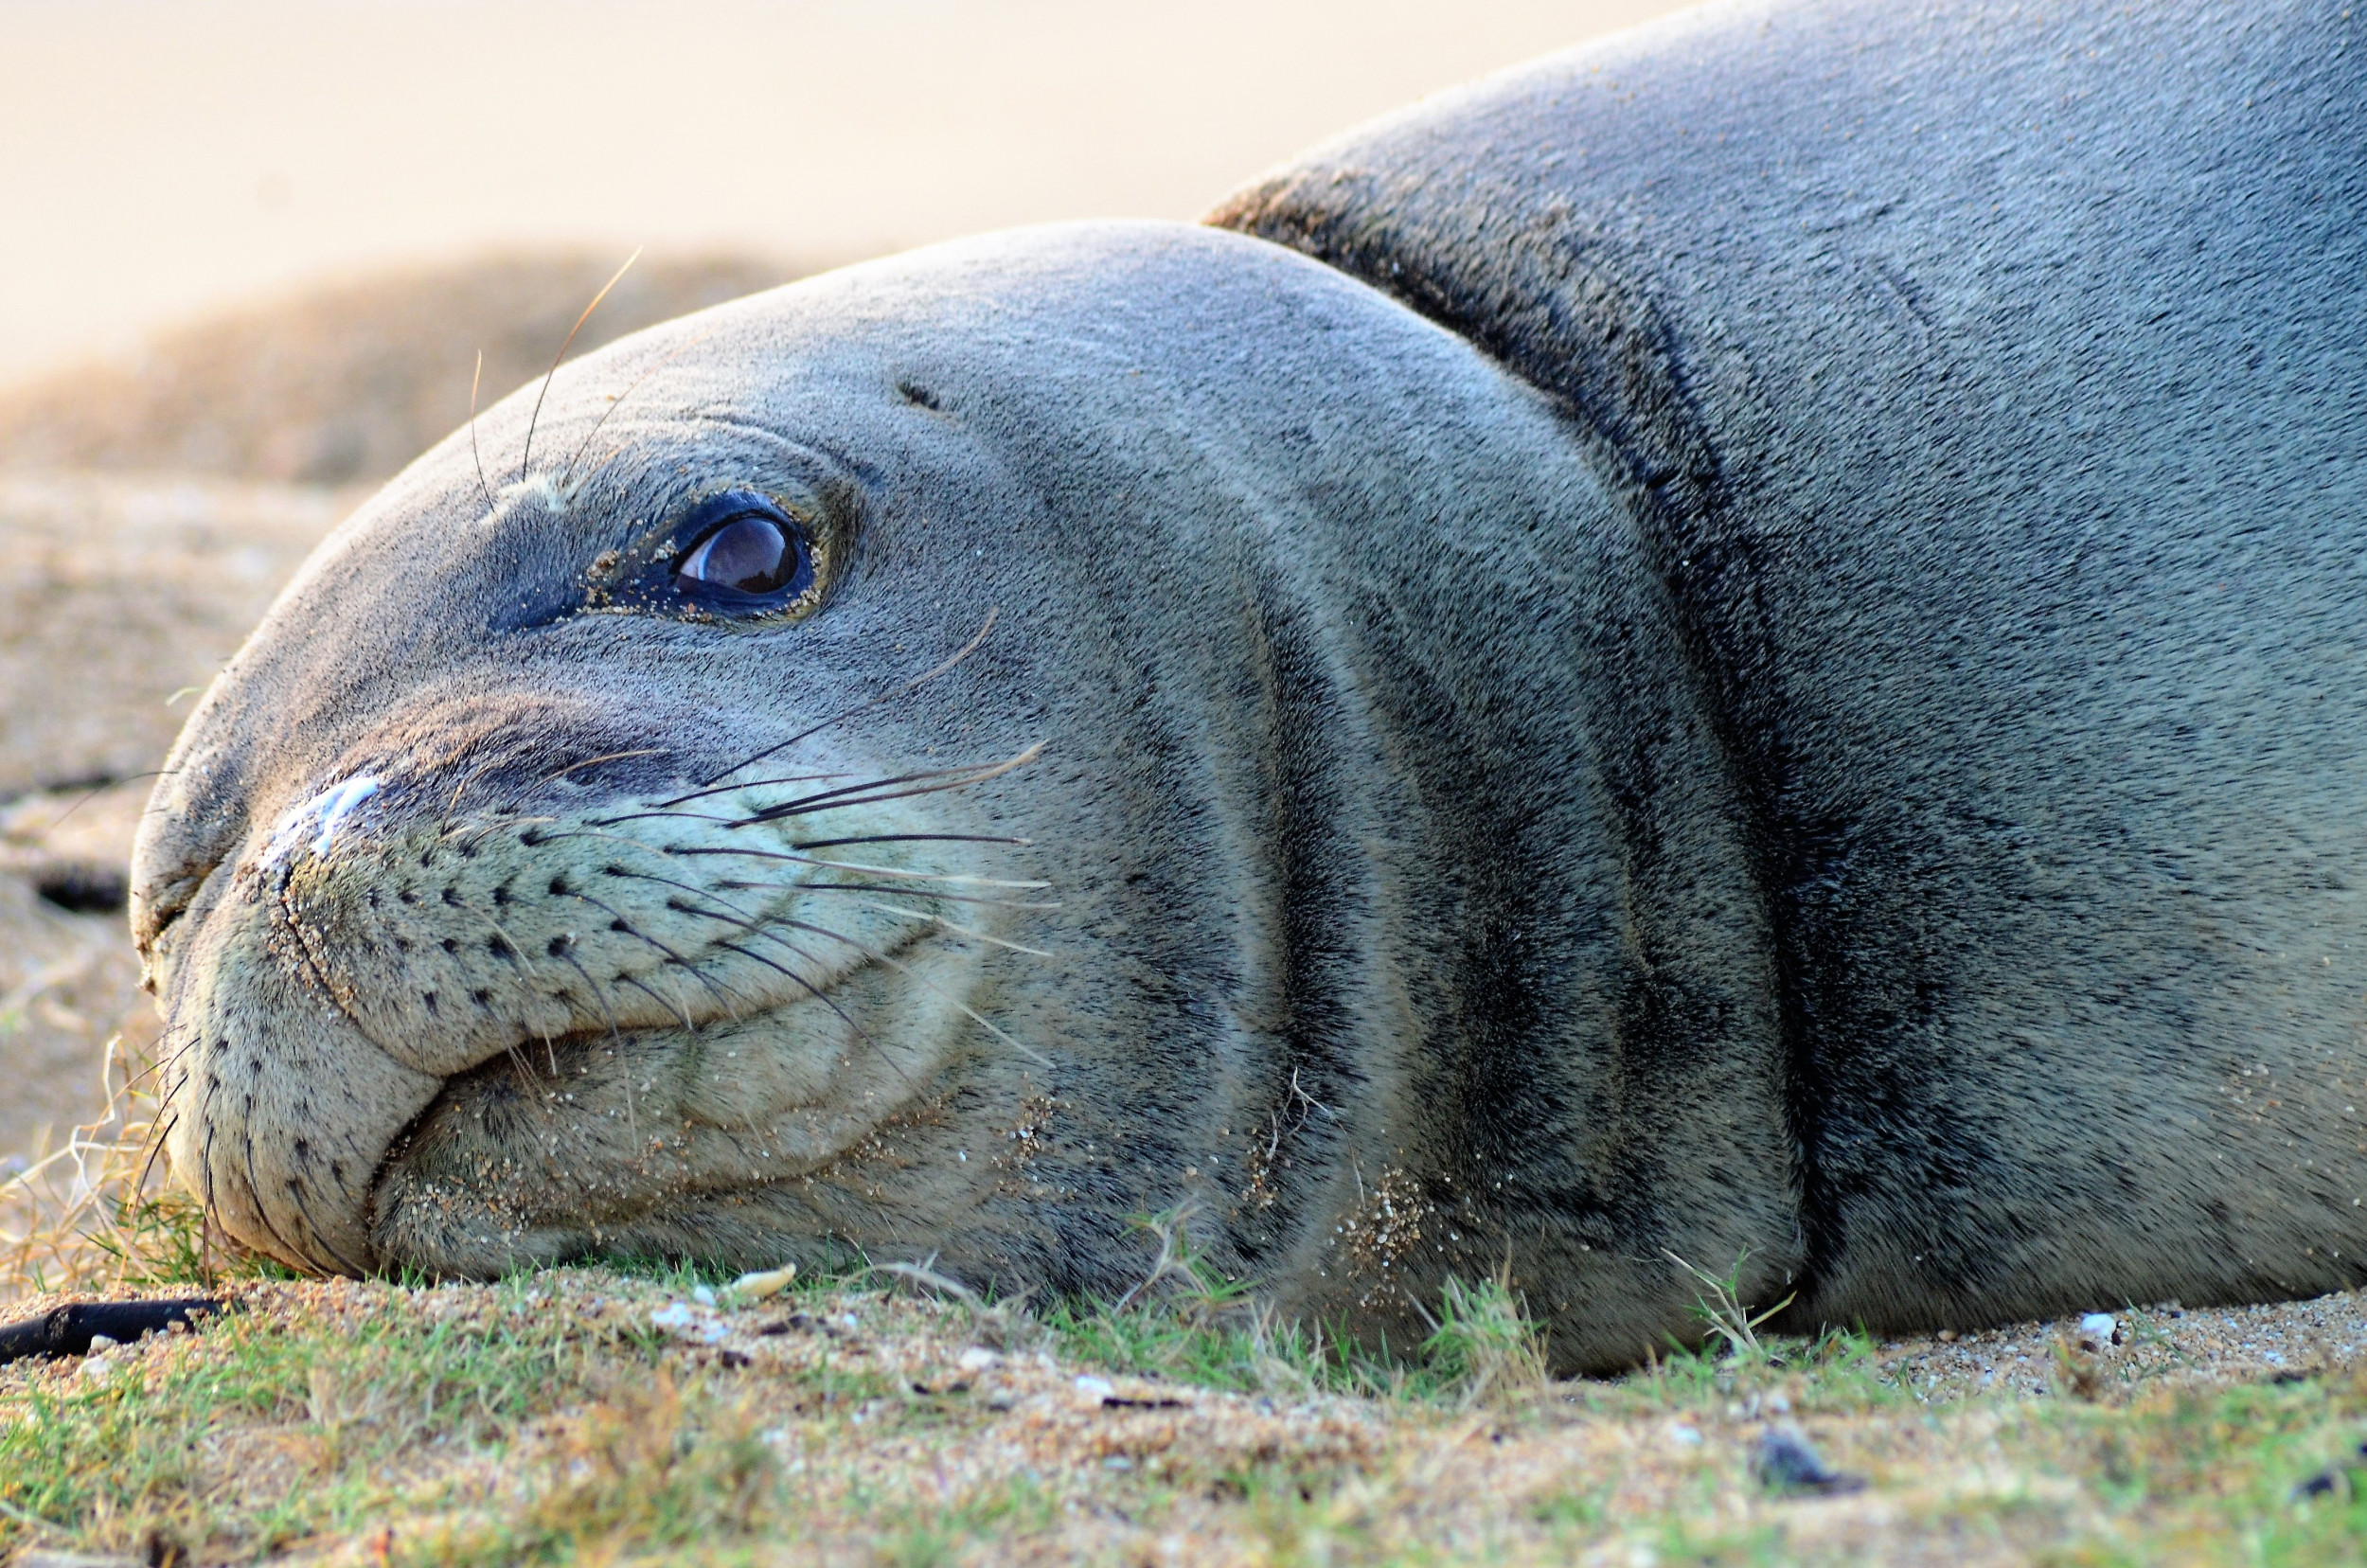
(1751, 654)
(1987, 385)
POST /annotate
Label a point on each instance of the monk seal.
(1743, 646)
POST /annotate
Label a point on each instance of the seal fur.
(1753, 654)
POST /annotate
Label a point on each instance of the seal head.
(939, 760)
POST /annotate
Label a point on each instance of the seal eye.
(752, 554)
(745, 555)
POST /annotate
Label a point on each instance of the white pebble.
(2097, 1326)
(755, 1286)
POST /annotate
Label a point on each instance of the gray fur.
(1809, 707)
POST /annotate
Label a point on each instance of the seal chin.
(667, 1141)
(406, 1038)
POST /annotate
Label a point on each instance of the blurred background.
(256, 246)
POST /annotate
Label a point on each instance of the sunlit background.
(163, 157)
(255, 249)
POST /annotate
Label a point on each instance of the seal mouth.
(573, 1145)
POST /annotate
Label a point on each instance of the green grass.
(516, 1423)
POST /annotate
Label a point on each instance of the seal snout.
(437, 999)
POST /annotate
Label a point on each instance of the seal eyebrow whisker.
(526, 456)
(567, 470)
(906, 690)
(474, 450)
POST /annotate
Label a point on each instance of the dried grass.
(98, 1213)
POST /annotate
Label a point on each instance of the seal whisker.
(304, 1211)
(907, 838)
(978, 898)
(870, 792)
(816, 992)
(678, 1010)
(961, 930)
(443, 826)
(790, 808)
(898, 871)
(809, 988)
(876, 956)
(206, 1159)
(753, 927)
(811, 779)
(160, 1132)
(474, 450)
(759, 784)
(905, 970)
(906, 690)
(255, 1190)
(961, 772)
(626, 927)
(526, 456)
